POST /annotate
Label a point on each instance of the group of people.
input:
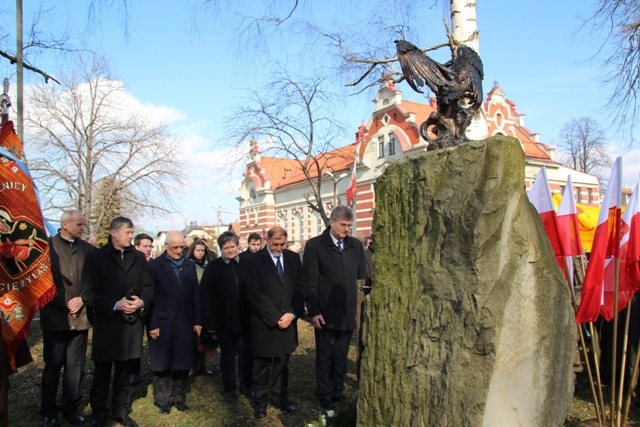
(249, 301)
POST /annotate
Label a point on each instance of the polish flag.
(540, 197)
(597, 293)
(629, 253)
(569, 232)
(568, 226)
(351, 191)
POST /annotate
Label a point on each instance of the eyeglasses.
(173, 248)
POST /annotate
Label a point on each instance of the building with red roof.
(274, 190)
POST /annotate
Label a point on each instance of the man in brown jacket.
(64, 323)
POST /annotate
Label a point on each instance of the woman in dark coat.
(172, 318)
(200, 254)
(226, 312)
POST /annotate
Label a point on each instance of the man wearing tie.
(275, 293)
(332, 264)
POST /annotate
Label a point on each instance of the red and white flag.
(540, 197)
(569, 232)
(629, 281)
(568, 225)
(351, 191)
(598, 287)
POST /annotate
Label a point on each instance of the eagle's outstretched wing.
(418, 69)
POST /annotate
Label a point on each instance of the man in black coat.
(333, 262)
(64, 323)
(117, 287)
(172, 318)
(275, 293)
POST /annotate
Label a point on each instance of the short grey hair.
(119, 222)
(67, 216)
(341, 212)
(227, 236)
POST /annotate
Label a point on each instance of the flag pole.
(623, 362)
(632, 382)
(615, 417)
(594, 351)
(596, 403)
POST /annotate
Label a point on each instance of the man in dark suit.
(64, 323)
(172, 318)
(117, 287)
(275, 293)
(333, 262)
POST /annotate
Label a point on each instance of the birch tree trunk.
(464, 23)
(465, 30)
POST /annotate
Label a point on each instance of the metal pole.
(20, 70)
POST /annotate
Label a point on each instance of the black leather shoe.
(126, 421)
(260, 413)
(287, 407)
(248, 394)
(51, 422)
(341, 400)
(231, 397)
(98, 421)
(75, 419)
(182, 407)
(134, 379)
(165, 409)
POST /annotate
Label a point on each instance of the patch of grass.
(205, 398)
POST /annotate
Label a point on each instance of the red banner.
(26, 283)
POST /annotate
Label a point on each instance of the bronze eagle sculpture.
(457, 85)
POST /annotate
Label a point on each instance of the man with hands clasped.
(276, 297)
(116, 287)
(172, 318)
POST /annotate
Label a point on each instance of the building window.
(578, 193)
(381, 147)
(392, 145)
(589, 195)
(562, 187)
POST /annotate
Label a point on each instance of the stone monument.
(469, 322)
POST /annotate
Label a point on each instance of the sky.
(195, 65)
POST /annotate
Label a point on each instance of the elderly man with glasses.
(172, 318)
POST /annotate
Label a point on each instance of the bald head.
(175, 244)
(72, 224)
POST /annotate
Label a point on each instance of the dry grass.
(208, 407)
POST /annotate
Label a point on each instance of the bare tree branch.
(583, 146)
(82, 136)
(619, 20)
(13, 60)
(292, 119)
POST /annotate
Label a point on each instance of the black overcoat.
(331, 280)
(270, 298)
(107, 276)
(175, 310)
(224, 300)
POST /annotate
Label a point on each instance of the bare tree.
(293, 119)
(82, 134)
(619, 20)
(583, 146)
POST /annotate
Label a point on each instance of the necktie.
(279, 267)
(340, 246)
